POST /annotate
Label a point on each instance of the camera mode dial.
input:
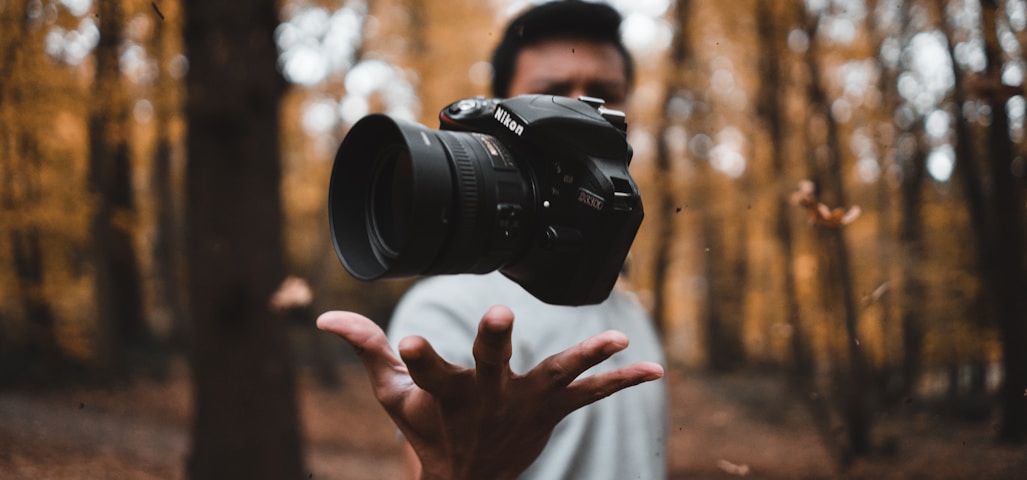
(467, 114)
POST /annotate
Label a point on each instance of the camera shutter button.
(464, 105)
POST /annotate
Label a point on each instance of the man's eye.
(610, 95)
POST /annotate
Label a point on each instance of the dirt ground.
(721, 427)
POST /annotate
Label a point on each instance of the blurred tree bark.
(117, 281)
(726, 273)
(824, 163)
(681, 61)
(21, 191)
(245, 421)
(910, 236)
(911, 243)
(43, 354)
(723, 261)
(771, 25)
(994, 201)
(968, 177)
(771, 111)
(1005, 273)
(166, 249)
(912, 162)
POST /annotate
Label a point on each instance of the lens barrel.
(405, 200)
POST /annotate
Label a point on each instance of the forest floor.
(720, 427)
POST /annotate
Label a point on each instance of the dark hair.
(561, 19)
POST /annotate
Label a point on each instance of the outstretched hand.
(482, 422)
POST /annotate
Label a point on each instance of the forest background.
(834, 192)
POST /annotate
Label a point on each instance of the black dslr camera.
(536, 186)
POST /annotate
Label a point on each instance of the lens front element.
(390, 202)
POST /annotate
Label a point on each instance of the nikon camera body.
(536, 186)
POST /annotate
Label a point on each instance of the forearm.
(411, 465)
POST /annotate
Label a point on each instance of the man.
(492, 423)
(566, 48)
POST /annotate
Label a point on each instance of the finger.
(562, 368)
(492, 350)
(492, 345)
(429, 370)
(370, 344)
(591, 389)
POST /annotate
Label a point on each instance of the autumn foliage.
(834, 190)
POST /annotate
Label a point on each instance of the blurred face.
(572, 68)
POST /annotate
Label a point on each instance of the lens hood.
(379, 197)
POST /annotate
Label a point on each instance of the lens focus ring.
(467, 185)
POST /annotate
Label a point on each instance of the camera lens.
(390, 205)
(406, 200)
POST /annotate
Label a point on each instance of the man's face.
(572, 68)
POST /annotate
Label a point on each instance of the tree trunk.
(116, 271)
(852, 381)
(771, 111)
(772, 114)
(725, 277)
(903, 359)
(911, 241)
(245, 421)
(1008, 278)
(43, 353)
(166, 250)
(38, 357)
(666, 211)
(665, 217)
